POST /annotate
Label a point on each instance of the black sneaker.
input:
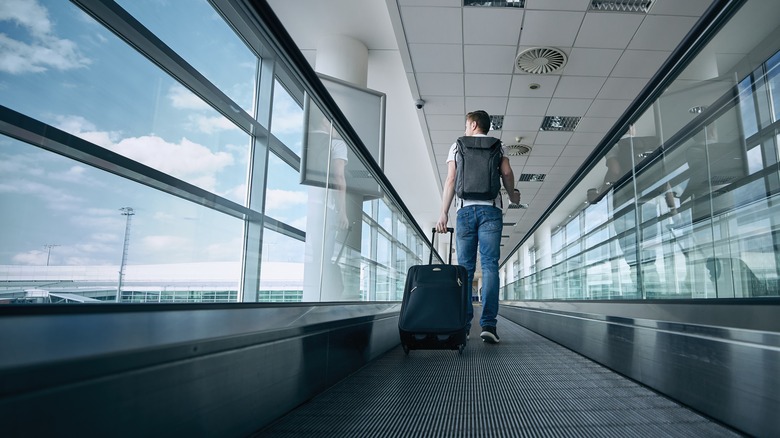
(489, 335)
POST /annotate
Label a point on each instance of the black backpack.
(477, 162)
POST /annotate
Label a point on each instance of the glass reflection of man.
(641, 260)
(327, 220)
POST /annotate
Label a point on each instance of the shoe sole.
(489, 338)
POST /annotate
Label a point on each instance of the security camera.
(419, 103)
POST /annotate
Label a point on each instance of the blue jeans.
(479, 226)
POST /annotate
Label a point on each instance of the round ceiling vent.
(541, 60)
(517, 149)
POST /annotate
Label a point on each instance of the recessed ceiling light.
(559, 123)
(640, 6)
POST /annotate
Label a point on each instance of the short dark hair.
(482, 118)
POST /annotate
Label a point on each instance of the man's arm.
(447, 195)
(508, 178)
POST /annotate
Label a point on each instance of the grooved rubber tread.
(525, 386)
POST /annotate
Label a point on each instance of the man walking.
(476, 166)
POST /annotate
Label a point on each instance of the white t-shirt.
(499, 202)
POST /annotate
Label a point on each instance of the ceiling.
(459, 59)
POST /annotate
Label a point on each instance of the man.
(479, 225)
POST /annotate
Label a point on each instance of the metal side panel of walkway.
(526, 386)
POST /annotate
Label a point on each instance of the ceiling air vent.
(559, 123)
(517, 148)
(540, 60)
(496, 4)
(531, 177)
(638, 6)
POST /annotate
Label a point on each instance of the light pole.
(48, 248)
(126, 211)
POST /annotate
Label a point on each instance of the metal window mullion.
(256, 183)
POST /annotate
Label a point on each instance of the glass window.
(77, 228)
(287, 119)
(217, 45)
(100, 89)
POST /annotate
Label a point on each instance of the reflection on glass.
(688, 196)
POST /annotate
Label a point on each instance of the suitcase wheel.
(406, 349)
(460, 348)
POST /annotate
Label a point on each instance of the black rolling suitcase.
(434, 306)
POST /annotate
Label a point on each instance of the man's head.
(477, 122)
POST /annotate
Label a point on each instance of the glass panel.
(77, 230)
(217, 45)
(286, 199)
(140, 112)
(287, 119)
(281, 273)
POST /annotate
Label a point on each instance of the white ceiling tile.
(452, 3)
(558, 5)
(661, 32)
(568, 107)
(578, 87)
(437, 58)
(520, 83)
(489, 59)
(595, 124)
(568, 160)
(591, 62)
(615, 88)
(608, 107)
(418, 29)
(487, 85)
(522, 123)
(445, 122)
(492, 26)
(511, 136)
(445, 105)
(493, 105)
(550, 28)
(445, 136)
(585, 138)
(577, 151)
(608, 31)
(553, 137)
(639, 63)
(676, 7)
(547, 150)
(541, 161)
(445, 84)
(535, 169)
(527, 106)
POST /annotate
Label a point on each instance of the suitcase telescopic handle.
(451, 231)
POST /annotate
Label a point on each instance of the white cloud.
(56, 198)
(45, 50)
(182, 98)
(30, 258)
(210, 125)
(186, 160)
(83, 128)
(279, 199)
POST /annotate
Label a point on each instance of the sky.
(58, 66)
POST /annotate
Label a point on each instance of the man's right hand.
(441, 225)
(514, 197)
